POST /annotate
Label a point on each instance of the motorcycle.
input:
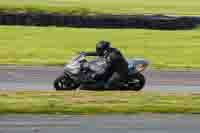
(79, 70)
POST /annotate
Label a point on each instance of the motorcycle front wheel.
(137, 82)
(63, 82)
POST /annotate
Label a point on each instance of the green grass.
(86, 102)
(53, 46)
(174, 7)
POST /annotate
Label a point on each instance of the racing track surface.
(143, 123)
(42, 77)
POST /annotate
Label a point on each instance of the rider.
(117, 69)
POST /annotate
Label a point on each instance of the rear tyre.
(137, 82)
(64, 83)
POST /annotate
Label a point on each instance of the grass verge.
(53, 46)
(87, 102)
(179, 7)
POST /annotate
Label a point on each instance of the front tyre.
(137, 82)
(64, 83)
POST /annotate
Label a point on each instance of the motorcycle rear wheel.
(137, 82)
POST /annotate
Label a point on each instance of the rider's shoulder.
(116, 51)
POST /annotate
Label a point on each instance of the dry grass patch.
(91, 102)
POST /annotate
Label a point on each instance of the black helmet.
(101, 47)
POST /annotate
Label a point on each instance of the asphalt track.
(144, 123)
(42, 77)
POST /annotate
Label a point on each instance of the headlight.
(71, 70)
(140, 67)
(75, 71)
